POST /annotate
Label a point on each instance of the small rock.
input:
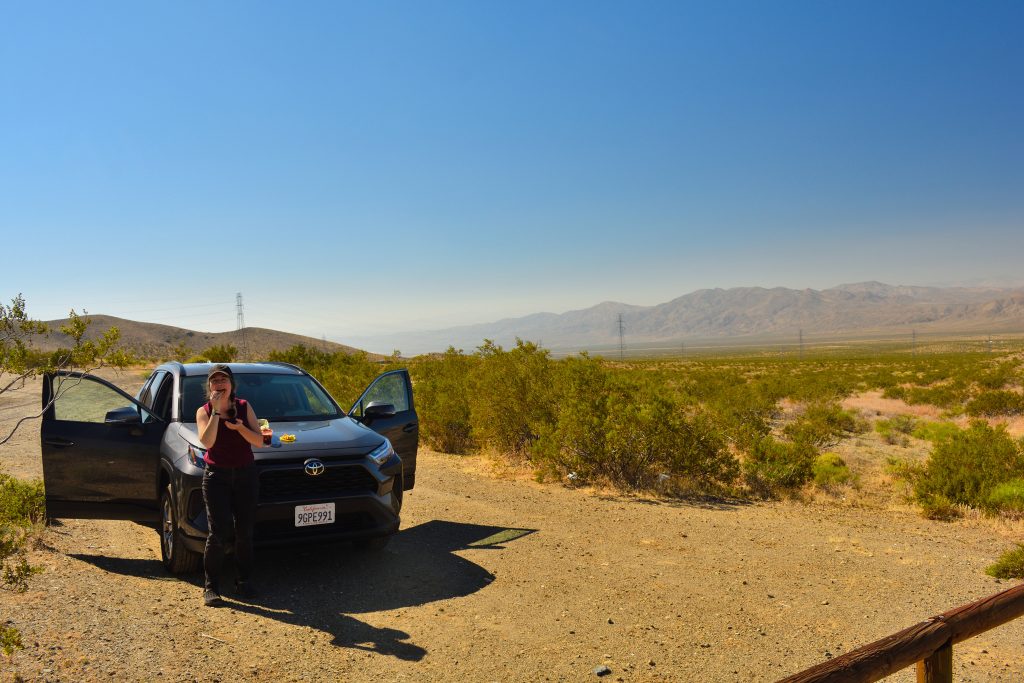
(602, 670)
(824, 602)
(610, 621)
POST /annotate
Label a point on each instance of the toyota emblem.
(314, 467)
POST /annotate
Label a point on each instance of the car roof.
(202, 369)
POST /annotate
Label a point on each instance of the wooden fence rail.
(929, 643)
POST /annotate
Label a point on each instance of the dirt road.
(494, 579)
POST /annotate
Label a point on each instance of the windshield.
(277, 398)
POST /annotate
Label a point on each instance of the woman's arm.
(207, 426)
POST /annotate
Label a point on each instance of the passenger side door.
(402, 428)
(100, 448)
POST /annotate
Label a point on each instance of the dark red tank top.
(230, 449)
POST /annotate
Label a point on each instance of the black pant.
(230, 495)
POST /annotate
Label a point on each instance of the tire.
(176, 557)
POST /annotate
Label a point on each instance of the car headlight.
(382, 453)
(197, 456)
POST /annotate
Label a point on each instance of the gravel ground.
(497, 578)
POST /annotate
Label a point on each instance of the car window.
(152, 392)
(387, 389)
(272, 396)
(162, 397)
(83, 400)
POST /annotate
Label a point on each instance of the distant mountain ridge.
(857, 308)
(153, 340)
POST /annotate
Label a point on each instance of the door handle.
(410, 427)
(58, 443)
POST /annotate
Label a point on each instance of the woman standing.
(228, 428)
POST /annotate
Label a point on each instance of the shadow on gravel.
(321, 586)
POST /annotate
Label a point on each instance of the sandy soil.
(494, 578)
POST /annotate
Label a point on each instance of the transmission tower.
(622, 338)
(240, 323)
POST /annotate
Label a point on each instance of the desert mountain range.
(866, 308)
(861, 309)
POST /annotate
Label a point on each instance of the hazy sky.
(354, 169)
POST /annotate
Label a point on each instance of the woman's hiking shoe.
(211, 598)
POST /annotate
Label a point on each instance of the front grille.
(295, 484)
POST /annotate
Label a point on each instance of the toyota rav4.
(335, 474)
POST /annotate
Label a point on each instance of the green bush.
(443, 401)
(995, 403)
(10, 640)
(512, 396)
(939, 507)
(1008, 497)
(896, 429)
(771, 465)
(222, 353)
(822, 425)
(21, 502)
(1010, 564)
(830, 470)
(967, 467)
(935, 431)
(22, 505)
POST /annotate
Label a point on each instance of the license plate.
(311, 515)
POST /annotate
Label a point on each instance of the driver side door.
(100, 450)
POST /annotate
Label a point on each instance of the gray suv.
(107, 455)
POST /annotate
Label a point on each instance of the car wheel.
(176, 557)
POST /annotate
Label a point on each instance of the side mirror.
(123, 416)
(376, 410)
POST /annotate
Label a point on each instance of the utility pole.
(801, 344)
(240, 323)
(622, 338)
(913, 342)
(990, 343)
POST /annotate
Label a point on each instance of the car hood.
(342, 436)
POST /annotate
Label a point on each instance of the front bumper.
(366, 500)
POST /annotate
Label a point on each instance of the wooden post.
(938, 668)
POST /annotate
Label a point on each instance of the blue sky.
(357, 169)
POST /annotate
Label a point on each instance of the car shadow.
(322, 586)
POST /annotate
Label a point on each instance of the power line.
(622, 338)
(241, 324)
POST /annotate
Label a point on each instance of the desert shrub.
(895, 429)
(222, 353)
(771, 465)
(512, 396)
(442, 400)
(830, 470)
(967, 467)
(935, 432)
(998, 377)
(1010, 564)
(995, 403)
(22, 504)
(10, 640)
(949, 395)
(1008, 497)
(896, 392)
(821, 425)
(940, 508)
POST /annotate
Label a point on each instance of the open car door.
(399, 424)
(100, 449)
